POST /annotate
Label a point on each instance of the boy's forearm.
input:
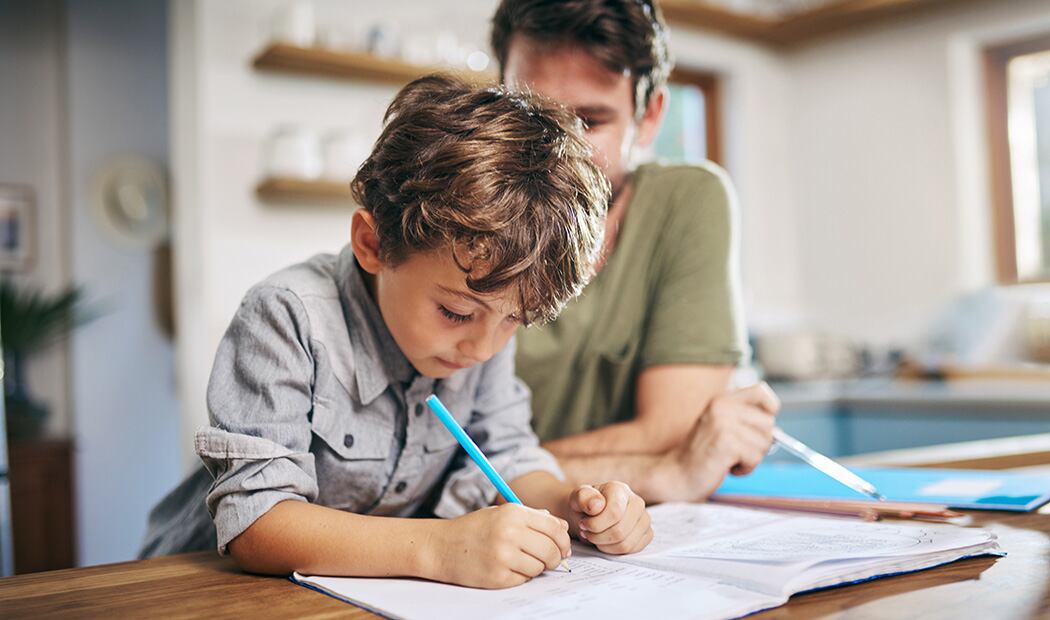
(312, 539)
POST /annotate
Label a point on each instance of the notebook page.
(816, 539)
(847, 571)
(595, 588)
(727, 543)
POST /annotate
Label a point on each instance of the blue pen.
(474, 452)
(472, 448)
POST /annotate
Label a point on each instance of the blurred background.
(158, 157)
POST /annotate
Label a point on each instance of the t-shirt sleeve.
(696, 314)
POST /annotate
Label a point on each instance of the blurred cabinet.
(41, 477)
(874, 429)
(856, 417)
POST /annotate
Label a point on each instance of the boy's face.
(602, 98)
(438, 322)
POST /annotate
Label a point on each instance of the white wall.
(123, 385)
(889, 161)
(32, 144)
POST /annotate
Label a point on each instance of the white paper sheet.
(595, 588)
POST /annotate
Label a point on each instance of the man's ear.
(365, 241)
(649, 123)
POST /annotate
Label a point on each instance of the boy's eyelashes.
(455, 317)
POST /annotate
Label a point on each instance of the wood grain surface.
(203, 584)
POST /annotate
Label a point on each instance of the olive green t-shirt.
(668, 294)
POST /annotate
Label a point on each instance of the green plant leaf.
(31, 319)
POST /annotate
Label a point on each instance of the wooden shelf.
(353, 65)
(289, 189)
(791, 29)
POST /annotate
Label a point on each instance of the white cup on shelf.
(384, 39)
(295, 23)
(294, 151)
(344, 151)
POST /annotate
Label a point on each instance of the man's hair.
(625, 35)
(503, 180)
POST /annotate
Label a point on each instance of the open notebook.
(706, 561)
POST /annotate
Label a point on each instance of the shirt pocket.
(352, 435)
(351, 450)
(439, 439)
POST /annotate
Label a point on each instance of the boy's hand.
(611, 517)
(500, 546)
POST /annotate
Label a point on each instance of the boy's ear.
(365, 241)
(649, 123)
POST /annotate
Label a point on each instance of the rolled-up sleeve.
(500, 424)
(259, 402)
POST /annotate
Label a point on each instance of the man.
(630, 382)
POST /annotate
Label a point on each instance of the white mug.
(343, 152)
(294, 23)
(294, 152)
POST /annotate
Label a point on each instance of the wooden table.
(202, 584)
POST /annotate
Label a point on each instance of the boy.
(630, 380)
(480, 211)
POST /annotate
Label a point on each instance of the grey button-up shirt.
(311, 400)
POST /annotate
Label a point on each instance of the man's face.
(438, 322)
(602, 98)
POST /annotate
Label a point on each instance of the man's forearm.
(633, 437)
(668, 401)
(644, 473)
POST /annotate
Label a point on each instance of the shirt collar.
(378, 361)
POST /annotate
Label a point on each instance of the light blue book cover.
(957, 488)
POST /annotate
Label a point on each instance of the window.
(1018, 80)
(690, 130)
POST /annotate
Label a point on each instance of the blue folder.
(957, 488)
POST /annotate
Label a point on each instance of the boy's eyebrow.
(466, 296)
(593, 110)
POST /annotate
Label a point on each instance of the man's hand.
(732, 435)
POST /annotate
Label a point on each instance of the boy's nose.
(478, 348)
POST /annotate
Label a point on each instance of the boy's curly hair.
(501, 179)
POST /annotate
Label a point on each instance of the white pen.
(825, 465)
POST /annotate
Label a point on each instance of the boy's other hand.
(611, 517)
(500, 546)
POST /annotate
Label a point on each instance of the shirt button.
(348, 440)
(419, 409)
(401, 486)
